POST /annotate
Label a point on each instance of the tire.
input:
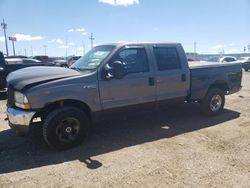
(20, 133)
(246, 70)
(65, 128)
(213, 102)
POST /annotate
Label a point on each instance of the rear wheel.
(213, 102)
(65, 128)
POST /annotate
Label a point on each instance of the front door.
(136, 87)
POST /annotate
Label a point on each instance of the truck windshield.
(93, 58)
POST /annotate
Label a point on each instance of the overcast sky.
(65, 25)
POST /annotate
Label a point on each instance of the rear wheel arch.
(222, 85)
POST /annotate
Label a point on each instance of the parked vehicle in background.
(245, 61)
(60, 63)
(190, 59)
(11, 61)
(43, 58)
(72, 60)
(113, 78)
(213, 59)
(17, 56)
(228, 59)
(8, 65)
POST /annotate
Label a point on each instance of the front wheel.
(65, 127)
(213, 102)
(246, 69)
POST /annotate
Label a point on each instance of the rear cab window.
(167, 58)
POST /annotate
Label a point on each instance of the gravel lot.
(177, 147)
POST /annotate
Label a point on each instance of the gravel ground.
(177, 147)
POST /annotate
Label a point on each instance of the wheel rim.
(215, 103)
(68, 129)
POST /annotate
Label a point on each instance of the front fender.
(87, 93)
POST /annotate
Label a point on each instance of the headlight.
(21, 100)
(1, 69)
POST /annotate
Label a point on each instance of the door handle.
(183, 77)
(151, 81)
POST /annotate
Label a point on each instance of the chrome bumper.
(234, 90)
(19, 117)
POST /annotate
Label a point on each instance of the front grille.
(10, 96)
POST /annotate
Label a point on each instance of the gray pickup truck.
(110, 78)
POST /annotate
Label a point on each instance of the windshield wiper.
(74, 68)
(81, 69)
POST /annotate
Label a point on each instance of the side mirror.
(118, 70)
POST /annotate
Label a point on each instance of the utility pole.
(195, 55)
(13, 45)
(31, 50)
(13, 39)
(66, 49)
(245, 50)
(83, 49)
(92, 40)
(45, 49)
(195, 47)
(248, 48)
(4, 27)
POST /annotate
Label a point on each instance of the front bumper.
(234, 90)
(20, 120)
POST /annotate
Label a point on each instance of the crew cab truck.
(110, 78)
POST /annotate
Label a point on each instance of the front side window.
(134, 59)
(167, 58)
(93, 58)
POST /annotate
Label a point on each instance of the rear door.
(172, 73)
(136, 87)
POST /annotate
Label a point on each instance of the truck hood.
(35, 75)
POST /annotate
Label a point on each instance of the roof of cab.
(141, 43)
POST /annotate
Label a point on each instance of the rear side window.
(167, 58)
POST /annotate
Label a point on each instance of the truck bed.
(204, 74)
(205, 64)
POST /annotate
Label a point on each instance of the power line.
(4, 27)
